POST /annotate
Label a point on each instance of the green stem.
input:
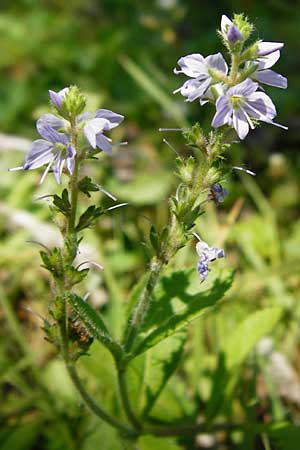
(235, 63)
(92, 405)
(142, 304)
(63, 316)
(125, 399)
(74, 180)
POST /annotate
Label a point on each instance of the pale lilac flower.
(240, 105)
(104, 120)
(58, 97)
(201, 70)
(229, 30)
(207, 255)
(263, 74)
(55, 150)
(266, 48)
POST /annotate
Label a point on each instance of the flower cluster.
(236, 92)
(55, 149)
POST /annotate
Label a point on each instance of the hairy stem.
(92, 405)
(142, 304)
(235, 63)
(125, 399)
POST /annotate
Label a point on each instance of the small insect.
(78, 332)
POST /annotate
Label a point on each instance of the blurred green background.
(121, 53)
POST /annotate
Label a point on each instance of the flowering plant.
(69, 138)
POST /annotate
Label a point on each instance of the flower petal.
(70, 159)
(265, 48)
(192, 65)
(225, 23)
(194, 88)
(58, 167)
(52, 135)
(51, 120)
(265, 62)
(240, 123)
(245, 88)
(259, 106)
(223, 113)
(113, 118)
(84, 116)
(271, 78)
(103, 143)
(40, 152)
(234, 34)
(55, 98)
(217, 62)
(93, 127)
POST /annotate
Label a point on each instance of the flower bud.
(73, 103)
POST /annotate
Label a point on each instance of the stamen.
(171, 129)
(116, 206)
(244, 170)
(13, 169)
(197, 236)
(92, 263)
(170, 146)
(106, 193)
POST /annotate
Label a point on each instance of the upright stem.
(143, 303)
(235, 62)
(74, 181)
(63, 316)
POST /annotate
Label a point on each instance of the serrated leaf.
(94, 324)
(62, 203)
(165, 317)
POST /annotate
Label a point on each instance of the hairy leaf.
(165, 316)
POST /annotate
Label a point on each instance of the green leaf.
(148, 373)
(173, 308)
(86, 185)
(235, 350)
(88, 217)
(246, 335)
(286, 436)
(21, 437)
(62, 203)
(151, 442)
(94, 324)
